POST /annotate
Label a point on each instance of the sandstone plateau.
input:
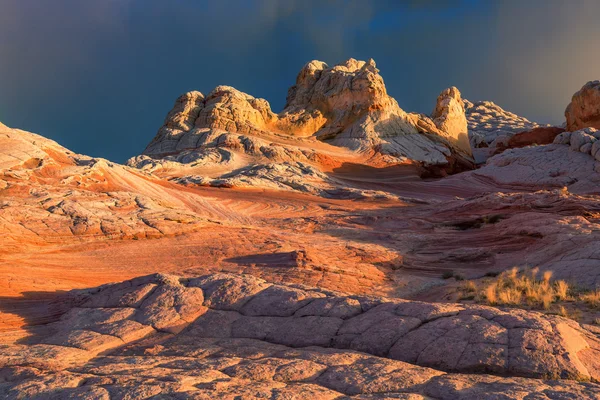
(313, 253)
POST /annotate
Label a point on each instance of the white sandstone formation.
(345, 106)
(449, 116)
(488, 122)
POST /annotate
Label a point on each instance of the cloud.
(93, 74)
(545, 50)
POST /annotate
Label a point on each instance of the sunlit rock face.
(449, 117)
(237, 336)
(584, 109)
(224, 109)
(346, 106)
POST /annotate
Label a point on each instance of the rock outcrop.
(583, 141)
(346, 106)
(50, 194)
(487, 121)
(536, 136)
(491, 127)
(449, 116)
(224, 109)
(229, 336)
(334, 98)
(584, 109)
(546, 166)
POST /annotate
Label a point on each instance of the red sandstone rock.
(536, 136)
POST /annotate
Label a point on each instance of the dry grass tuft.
(592, 298)
(561, 288)
(514, 288)
(490, 295)
(469, 287)
(562, 311)
(510, 296)
(529, 289)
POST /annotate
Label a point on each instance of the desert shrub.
(591, 298)
(532, 289)
(510, 296)
(515, 287)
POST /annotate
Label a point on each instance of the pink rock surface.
(395, 348)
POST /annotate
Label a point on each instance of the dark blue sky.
(99, 76)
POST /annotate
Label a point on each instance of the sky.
(99, 76)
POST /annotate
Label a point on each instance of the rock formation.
(301, 254)
(536, 136)
(345, 106)
(449, 117)
(584, 109)
(235, 336)
(491, 127)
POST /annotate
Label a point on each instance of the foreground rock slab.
(237, 336)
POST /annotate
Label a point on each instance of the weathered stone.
(584, 109)
(278, 301)
(449, 117)
(228, 292)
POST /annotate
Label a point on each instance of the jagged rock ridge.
(346, 105)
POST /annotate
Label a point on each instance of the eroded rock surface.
(332, 115)
(491, 128)
(584, 109)
(449, 116)
(222, 336)
(487, 121)
(325, 194)
(50, 192)
(534, 137)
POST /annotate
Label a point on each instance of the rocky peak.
(584, 109)
(185, 111)
(449, 117)
(224, 108)
(340, 94)
(346, 105)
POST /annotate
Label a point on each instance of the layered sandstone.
(346, 106)
(295, 240)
